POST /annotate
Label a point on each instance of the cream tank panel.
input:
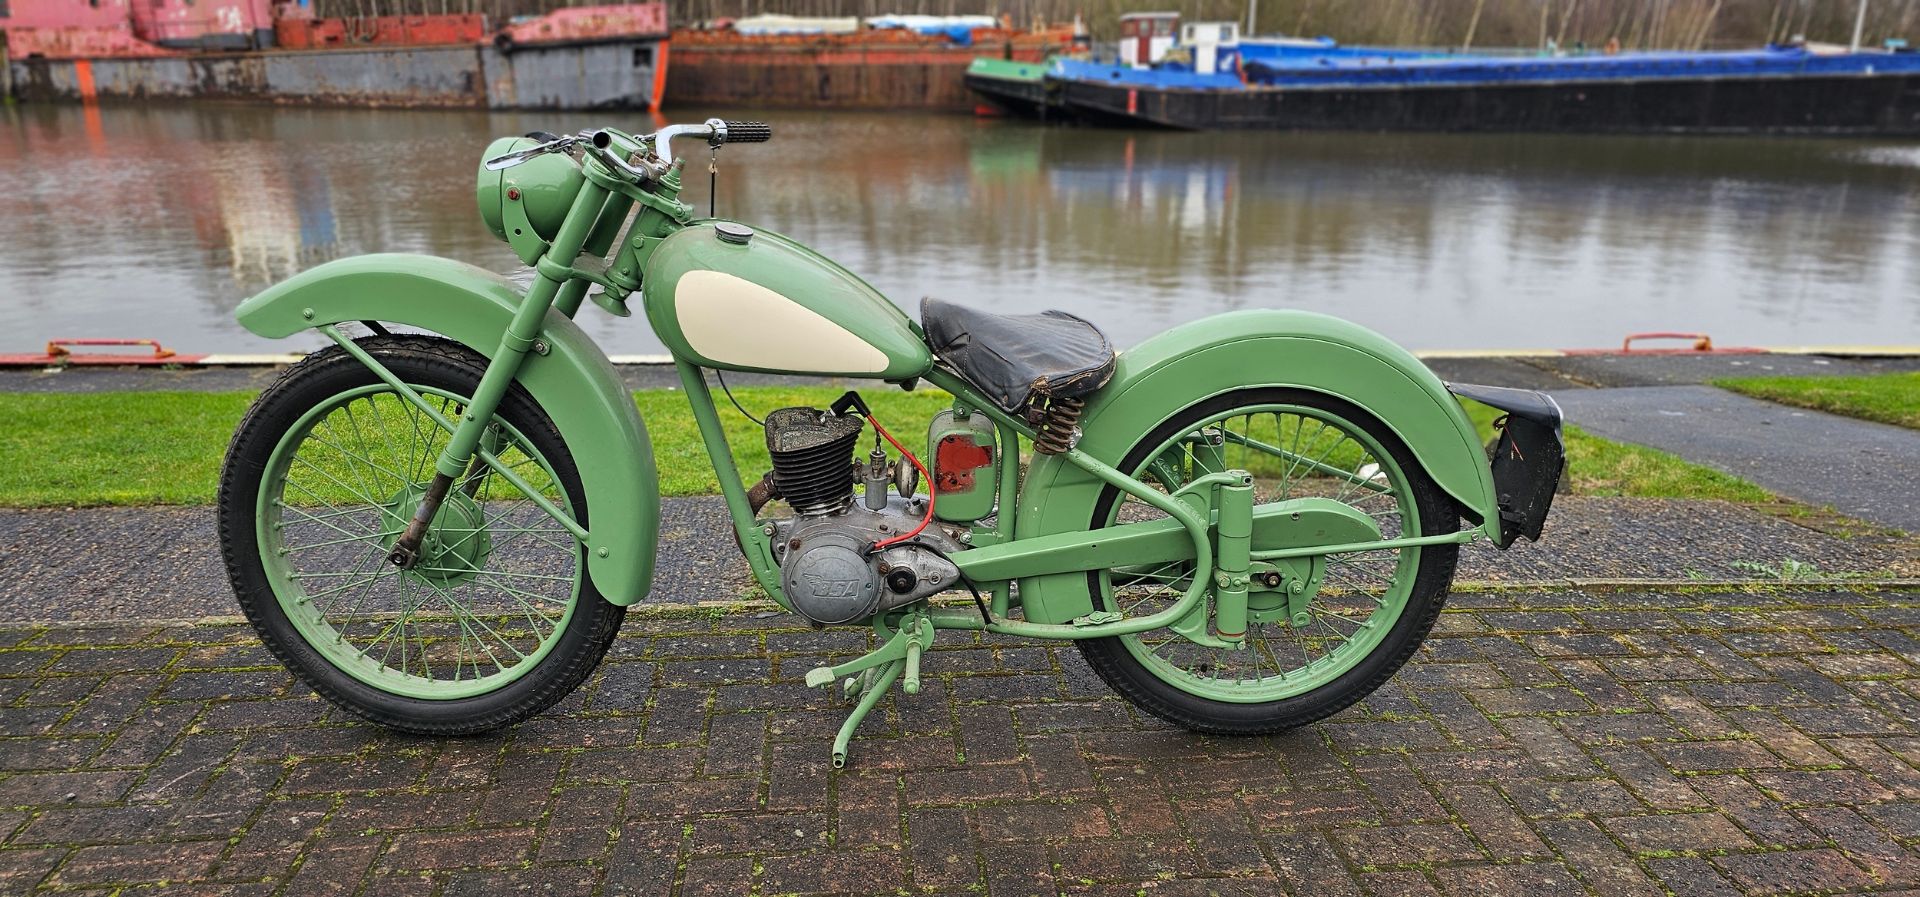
(736, 321)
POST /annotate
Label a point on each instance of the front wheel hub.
(456, 545)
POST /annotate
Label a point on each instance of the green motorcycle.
(1246, 523)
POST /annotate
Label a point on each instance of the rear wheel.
(496, 622)
(1358, 616)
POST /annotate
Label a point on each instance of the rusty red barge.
(875, 63)
(275, 51)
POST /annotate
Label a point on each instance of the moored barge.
(1778, 90)
(1016, 88)
(274, 51)
(1210, 77)
(846, 63)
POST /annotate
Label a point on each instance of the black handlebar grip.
(748, 131)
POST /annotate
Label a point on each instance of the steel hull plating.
(1024, 98)
(879, 77)
(622, 73)
(1871, 105)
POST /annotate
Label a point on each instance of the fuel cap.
(729, 232)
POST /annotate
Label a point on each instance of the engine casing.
(829, 582)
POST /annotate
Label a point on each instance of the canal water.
(157, 221)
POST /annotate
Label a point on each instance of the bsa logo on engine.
(832, 586)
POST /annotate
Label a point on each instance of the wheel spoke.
(496, 582)
(336, 480)
(1352, 599)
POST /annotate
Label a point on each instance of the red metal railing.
(60, 352)
(1702, 345)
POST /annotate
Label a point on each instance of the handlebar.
(600, 145)
(716, 131)
(745, 132)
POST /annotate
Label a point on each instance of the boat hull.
(616, 73)
(1862, 105)
(1026, 99)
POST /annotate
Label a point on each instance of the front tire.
(497, 622)
(1368, 612)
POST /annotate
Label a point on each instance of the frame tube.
(1196, 529)
(753, 542)
(1460, 537)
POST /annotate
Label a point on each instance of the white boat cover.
(772, 24)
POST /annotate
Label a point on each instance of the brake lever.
(517, 157)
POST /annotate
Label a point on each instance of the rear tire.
(319, 459)
(1414, 593)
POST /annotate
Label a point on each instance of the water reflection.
(157, 221)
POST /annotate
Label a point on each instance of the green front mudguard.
(1248, 349)
(573, 382)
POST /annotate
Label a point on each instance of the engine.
(828, 566)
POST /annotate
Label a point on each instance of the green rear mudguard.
(573, 382)
(1248, 349)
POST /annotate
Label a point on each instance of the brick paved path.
(1543, 743)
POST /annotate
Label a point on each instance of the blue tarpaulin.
(1387, 72)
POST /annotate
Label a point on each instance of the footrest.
(820, 676)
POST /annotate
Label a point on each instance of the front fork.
(459, 458)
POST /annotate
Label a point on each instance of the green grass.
(1602, 467)
(79, 450)
(114, 448)
(1887, 398)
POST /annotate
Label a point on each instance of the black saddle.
(1016, 359)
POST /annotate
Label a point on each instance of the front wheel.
(1338, 626)
(498, 619)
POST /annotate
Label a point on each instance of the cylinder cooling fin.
(812, 454)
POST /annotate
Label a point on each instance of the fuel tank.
(723, 295)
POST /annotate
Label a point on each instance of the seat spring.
(1059, 426)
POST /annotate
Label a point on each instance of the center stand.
(903, 638)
